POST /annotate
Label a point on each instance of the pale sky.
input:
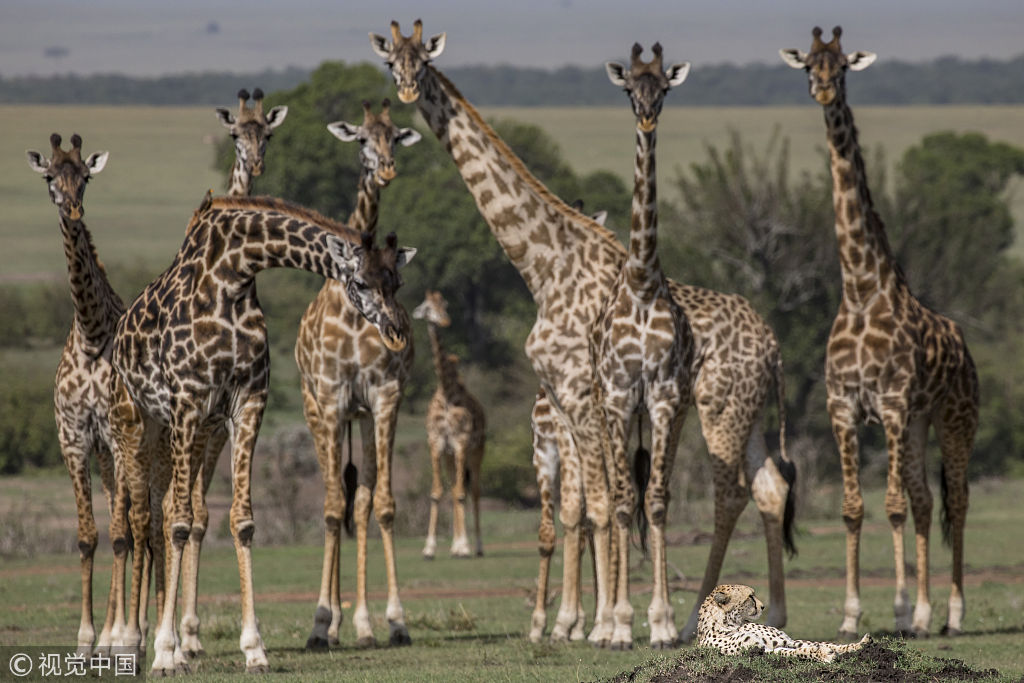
(154, 37)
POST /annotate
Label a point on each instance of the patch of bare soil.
(876, 663)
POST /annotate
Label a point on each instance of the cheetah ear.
(721, 598)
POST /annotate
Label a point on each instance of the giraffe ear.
(793, 57)
(677, 73)
(275, 117)
(380, 45)
(435, 46)
(408, 136)
(37, 162)
(227, 119)
(96, 162)
(600, 217)
(344, 131)
(860, 60)
(403, 255)
(616, 73)
(721, 598)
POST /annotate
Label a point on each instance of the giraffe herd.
(155, 389)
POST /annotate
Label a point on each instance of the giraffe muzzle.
(408, 93)
(393, 340)
(646, 124)
(75, 211)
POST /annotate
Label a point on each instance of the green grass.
(468, 618)
(160, 162)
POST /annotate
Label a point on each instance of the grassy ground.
(468, 618)
(160, 161)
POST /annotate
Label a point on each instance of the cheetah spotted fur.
(724, 623)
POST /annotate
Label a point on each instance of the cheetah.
(724, 624)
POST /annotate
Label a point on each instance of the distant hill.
(948, 80)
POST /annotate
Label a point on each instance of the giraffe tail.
(350, 481)
(787, 468)
(642, 477)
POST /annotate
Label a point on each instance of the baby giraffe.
(456, 429)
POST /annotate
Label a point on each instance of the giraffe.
(81, 396)
(889, 360)
(569, 263)
(642, 350)
(251, 129)
(349, 370)
(190, 353)
(456, 427)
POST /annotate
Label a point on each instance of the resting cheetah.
(724, 624)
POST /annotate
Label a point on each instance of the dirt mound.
(878, 662)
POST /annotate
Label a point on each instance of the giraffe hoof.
(619, 647)
(258, 669)
(921, 634)
(366, 643)
(847, 637)
(662, 645)
(400, 638)
(951, 632)
(333, 641)
(601, 644)
(316, 643)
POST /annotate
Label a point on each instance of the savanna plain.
(468, 618)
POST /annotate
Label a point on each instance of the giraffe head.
(251, 129)
(407, 57)
(434, 309)
(66, 174)
(371, 280)
(647, 84)
(826, 65)
(377, 137)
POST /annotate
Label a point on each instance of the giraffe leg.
(624, 504)
(570, 515)
(844, 428)
(325, 424)
(956, 428)
(76, 459)
(116, 486)
(897, 434)
(666, 423)
(191, 646)
(246, 428)
(915, 480)
(385, 418)
(460, 539)
(725, 446)
(127, 430)
(362, 503)
(769, 490)
(474, 492)
(596, 493)
(436, 444)
(114, 622)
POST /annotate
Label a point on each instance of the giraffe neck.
(643, 270)
(447, 373)
(234, 239)
(865, 257)
(535, 228)
(364, 217)
(241, 180)
(97, 305)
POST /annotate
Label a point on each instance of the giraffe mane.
(520, 168)
(281, 206)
